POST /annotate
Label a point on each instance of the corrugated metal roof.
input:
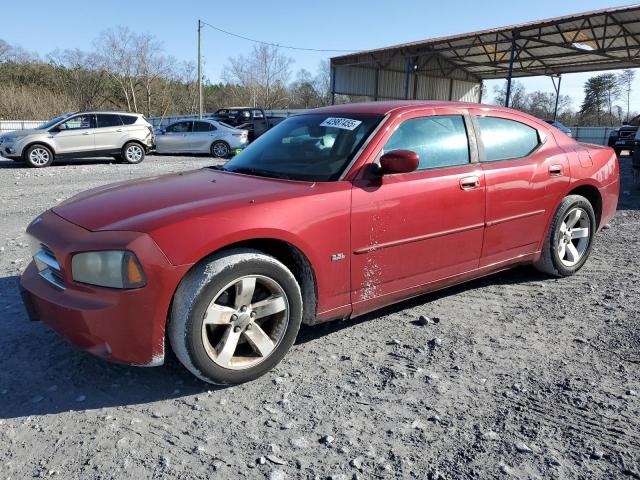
(597, 40)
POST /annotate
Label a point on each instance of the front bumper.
(10, 150)
(124, 326)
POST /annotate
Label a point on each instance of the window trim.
(482, 157)
(471, 144)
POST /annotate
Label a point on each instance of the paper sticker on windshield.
(343, 123)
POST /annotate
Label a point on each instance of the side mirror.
(399, 161)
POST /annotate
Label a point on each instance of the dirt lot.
(522, 376)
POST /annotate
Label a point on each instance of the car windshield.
(52, 122)
(315, 147)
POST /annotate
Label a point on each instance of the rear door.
(75, 135)
(526, 173)
(202, 137)
(174, 140)
(108, 133)
(413, 229)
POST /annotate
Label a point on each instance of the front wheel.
(133, 153)
(38, 156)
(235, 316)
(570, 238)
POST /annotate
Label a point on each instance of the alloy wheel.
(220, 150)
(245, 322)
(134, 153)
(574, 236)
(39, 156)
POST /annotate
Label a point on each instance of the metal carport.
(453, 68)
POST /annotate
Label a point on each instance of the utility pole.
(199, 69)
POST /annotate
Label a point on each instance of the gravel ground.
(513, 376)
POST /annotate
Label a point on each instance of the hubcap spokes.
(134, 154)
(39, 156)
(574, 236)
(245, 322)
(219, 150)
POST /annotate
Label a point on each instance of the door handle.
(85, 133)
(469, 183)
(118, 130)
(555, 170)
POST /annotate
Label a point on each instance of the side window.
(439, 141)
(203, 127)
(104, 120)
(506, 139)
(78, 122)
(128, 119)
(257, 114)
(180, 127)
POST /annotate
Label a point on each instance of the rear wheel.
(220, 149)
(235, 316)
(133, 153)
(38, 156)
(570, 238)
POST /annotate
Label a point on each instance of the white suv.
(125, 136)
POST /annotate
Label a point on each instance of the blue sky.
(317, 24)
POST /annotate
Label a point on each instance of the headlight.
(115, 269)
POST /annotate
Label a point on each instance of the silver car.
(125, 136)
(200, 136)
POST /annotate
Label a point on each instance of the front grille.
(48, 266)
(626, 134)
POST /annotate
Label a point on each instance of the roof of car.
(112, 111)
(384, 108)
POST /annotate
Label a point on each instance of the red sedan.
(331, 214)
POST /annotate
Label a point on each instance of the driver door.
(410, 231)
(75, 135)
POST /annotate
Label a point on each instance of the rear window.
(105, 120)
(203, 127)
(128, 119)
(506, 139)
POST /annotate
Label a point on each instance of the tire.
(198, 334)
(568, 227)
(220, 149)
(38, 156)
(133, 153)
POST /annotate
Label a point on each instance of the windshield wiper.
(216, 167)
(259, 172)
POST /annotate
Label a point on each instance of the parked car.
(200, 136)
(332, 214)
(625, 137)
(123, 135)
(253, 120)
(564, 129)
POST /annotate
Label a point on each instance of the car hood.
(18, 133)
(146, 204)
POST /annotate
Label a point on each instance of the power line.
(273, 44)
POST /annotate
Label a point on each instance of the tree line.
(607, 101)
(126, 70)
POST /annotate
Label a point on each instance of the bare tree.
(263, 75)
(625, 81)
(518, 96)
(151, 64)
(116, 48)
